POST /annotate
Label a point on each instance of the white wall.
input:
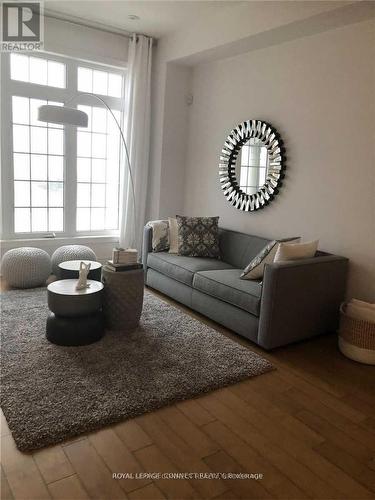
(319, 92)
(175, 128)
(230, 29)
(171, 84)
(233, 21)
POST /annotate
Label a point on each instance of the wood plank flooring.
(308, 427)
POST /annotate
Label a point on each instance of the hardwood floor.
(308, 427)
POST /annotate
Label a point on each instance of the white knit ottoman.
(26, 267)
(70, 252)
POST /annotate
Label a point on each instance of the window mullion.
(7, 209)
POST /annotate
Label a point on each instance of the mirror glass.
(252, 165)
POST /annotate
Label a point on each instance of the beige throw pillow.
(296, 251)
(255, 269)
(160, 235)
(173, 235)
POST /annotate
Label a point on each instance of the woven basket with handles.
(356, 338)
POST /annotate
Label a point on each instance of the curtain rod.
(88, 24)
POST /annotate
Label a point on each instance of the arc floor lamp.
(65, 115)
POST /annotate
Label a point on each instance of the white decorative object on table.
(26, 267)
(83, 273)
(70, 269)
(70, 252)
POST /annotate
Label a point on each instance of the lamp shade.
(62, 115)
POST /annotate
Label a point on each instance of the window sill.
(63, 240)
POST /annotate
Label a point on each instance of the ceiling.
(157, 18)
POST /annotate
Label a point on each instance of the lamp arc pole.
(88, 94)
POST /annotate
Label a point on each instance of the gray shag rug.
(51, 393)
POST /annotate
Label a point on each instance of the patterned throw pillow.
(254, 270)
(198, 236)
(160, 235)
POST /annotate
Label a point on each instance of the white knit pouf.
(70, 252)
(26, 267)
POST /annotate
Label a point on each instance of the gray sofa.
(296, 300)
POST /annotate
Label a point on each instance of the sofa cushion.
(226, 285)
(238, 249)
(182, 268)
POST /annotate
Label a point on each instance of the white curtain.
(137, 111)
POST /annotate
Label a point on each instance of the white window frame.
(10, 88)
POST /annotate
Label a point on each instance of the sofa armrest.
(146, 245)
(301, 299)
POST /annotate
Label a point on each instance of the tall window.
(59, 179)
(38, 169)
(97, 171)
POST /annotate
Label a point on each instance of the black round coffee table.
(75, 316)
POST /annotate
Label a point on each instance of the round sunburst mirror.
(251, 165)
